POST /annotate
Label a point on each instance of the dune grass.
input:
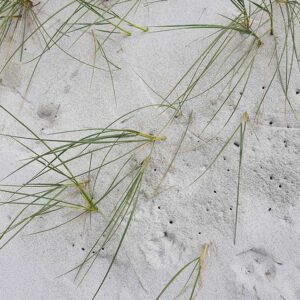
(14, 19)
(103, 24)
(55, 187)
(120, 220)
(194, 279)
(52, 187)
(233, 52)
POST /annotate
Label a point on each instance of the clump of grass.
(119, 221)
(79, 18)
(97, 149)
(15, 16)
(194, 278)
(232, 55)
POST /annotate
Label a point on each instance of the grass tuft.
(194, 278)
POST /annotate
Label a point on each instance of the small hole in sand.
(280, 186)
(215, 191)
(154, 170)
(271, 123)
(165, 234)
(236, 144)
(199, 232)
(263, 87)
(230, 208)
(297, 91)
(271, 177)
(158, 207)
(228, 170)
(270, 209)
(171, 222)
(82, 249)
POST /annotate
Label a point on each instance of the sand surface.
(171, 224)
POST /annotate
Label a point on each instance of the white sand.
(265, 263)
